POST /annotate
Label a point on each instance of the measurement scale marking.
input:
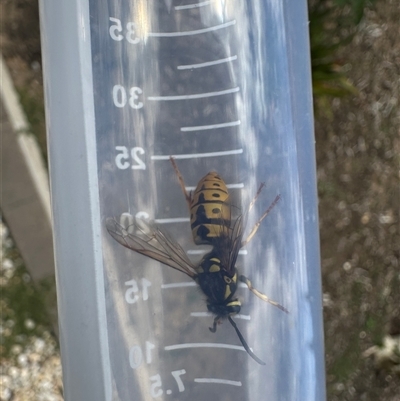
(208, 314)
(197, 251)
(190, 284)
(194, 96)
(190, 33)
(203, 251)
(202, 4)
(207, 63)
(203, 345)
(179, 285)
(173, 220)
(239, 185)
(198, 155)
(212, 126)
(219, 381)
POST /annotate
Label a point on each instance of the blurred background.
(355, 51)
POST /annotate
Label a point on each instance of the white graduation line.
(191, 284)
(211, 126)
(173, 220)
(198, 155)
(195, 5)
(179, 285)
(194, 96)
(219, 381)
(203, 345)
(239, 185)
(208, 314)
(190, 33)
(204, 251)
(197, 251)
(207, 63)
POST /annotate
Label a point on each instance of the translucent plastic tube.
(220, 86)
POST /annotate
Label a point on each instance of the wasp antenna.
(188, 196)
(243, 341)
(265, 214)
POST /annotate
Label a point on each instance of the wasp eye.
(227, 280)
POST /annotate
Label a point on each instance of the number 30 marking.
(120, 97)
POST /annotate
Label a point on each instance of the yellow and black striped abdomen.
(210, 212)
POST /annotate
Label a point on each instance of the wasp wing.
(235, 239)
(229, 244)
(145, 237)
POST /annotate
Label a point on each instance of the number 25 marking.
(122, 158)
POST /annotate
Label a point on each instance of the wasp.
(212, 224)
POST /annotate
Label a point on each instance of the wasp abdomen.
(210, 213)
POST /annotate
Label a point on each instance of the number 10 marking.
(136, 355)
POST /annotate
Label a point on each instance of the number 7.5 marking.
(177, 376)
(156, 385)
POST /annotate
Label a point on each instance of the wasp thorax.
(217, 283)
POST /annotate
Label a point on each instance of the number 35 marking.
(118, 33)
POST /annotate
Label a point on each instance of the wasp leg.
(243, 341)
(216, 321)
(265, 214)
(188, 196)
(260, 295)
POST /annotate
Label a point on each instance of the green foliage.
(23, 305)
(356, 7)
(34, 110)
(332, 26)
(328, 79)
